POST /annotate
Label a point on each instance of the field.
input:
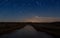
(50, 28)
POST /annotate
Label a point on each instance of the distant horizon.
(35, 19)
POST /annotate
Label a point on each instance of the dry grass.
(51, 28)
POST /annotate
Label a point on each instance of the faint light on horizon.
(41, 19)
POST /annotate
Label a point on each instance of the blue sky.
(19, 9)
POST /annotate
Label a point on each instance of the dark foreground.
(50, 28)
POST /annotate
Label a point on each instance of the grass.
(50, 28)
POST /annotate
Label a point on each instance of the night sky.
(15, 10)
